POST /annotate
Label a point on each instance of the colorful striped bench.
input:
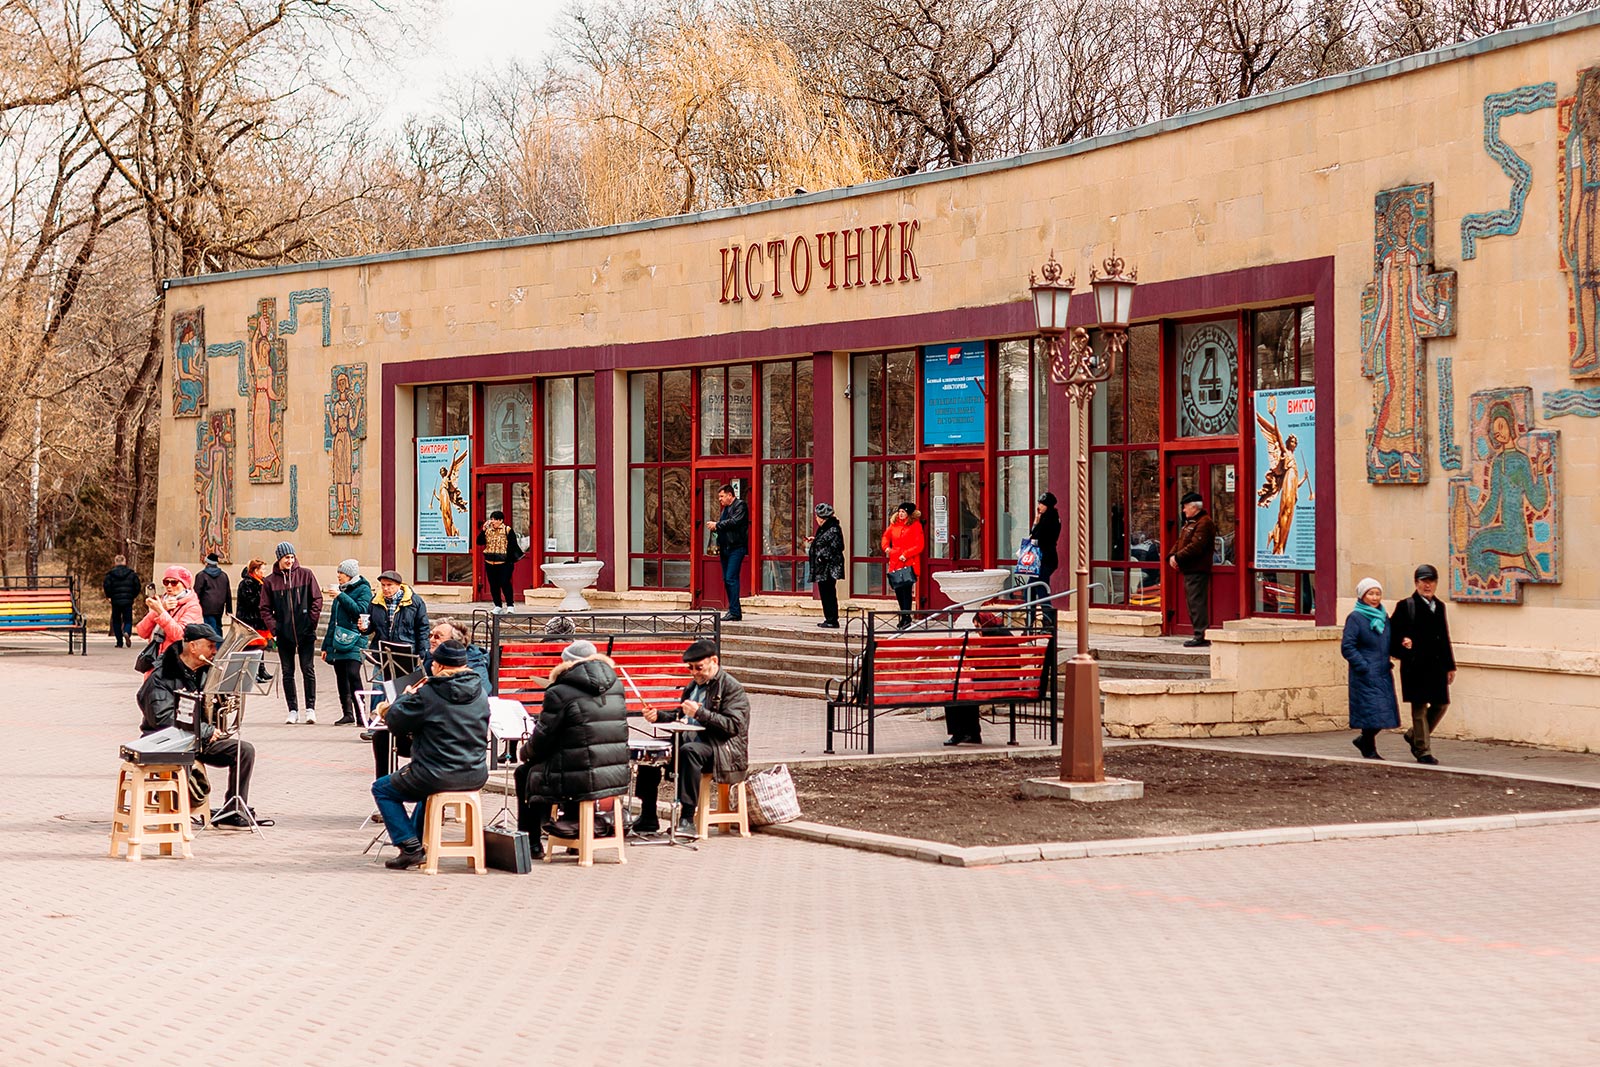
(43, 605)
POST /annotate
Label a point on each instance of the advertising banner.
(444, 485)
(1286, 463)
(953, 395)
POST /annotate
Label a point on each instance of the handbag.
(772, 796)
(1028, 559)
(145, 661)
(902, 576)
(507, 849)
(344, 639)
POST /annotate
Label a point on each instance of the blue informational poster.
(444, 486)
(1286, 463)
(953, 394)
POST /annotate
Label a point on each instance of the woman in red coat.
(902, 547)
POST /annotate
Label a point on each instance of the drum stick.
(623, 672)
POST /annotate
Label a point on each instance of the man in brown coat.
(1192, 558)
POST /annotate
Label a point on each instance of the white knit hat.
(1365, 584)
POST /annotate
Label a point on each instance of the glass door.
(709, 591)
(952, 523)
(512, 494)
(1215, 476)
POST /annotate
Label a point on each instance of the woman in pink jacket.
(175, 608)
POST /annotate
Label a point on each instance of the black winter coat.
(580, 749)
(1045, 533)
(247, 601)
(725, 714)
(121, 586)
(214, 591)
(733, 527)
(827, 551)
(1424, 667)
(448, 723)
(158, 694)
(291, 604)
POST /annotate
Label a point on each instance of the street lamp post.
(1078, 369)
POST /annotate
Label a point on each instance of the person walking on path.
(1045, 535)
(825, 551)
(501, 550)
(733, 544)
(215, 592)
(291, 606)
(1420, 640)
(346, 639)
(121, 587)
(1365, 646)
(1191, 557)
(175, 608)
(902, 549)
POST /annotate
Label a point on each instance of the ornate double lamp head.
(1074, 363)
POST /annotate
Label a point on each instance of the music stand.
(508, 721)
(233, 675)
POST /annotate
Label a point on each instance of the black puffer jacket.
(121, 586)
(827, 551)
(580, 750)
(448, 723)
(248, 599)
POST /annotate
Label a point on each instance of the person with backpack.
(214, 591)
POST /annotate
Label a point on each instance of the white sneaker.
(293, 719)
(311, 716)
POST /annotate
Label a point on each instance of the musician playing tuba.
(183, 668)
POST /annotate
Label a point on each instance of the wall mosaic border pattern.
(310, 296)
(1406, 303)
(1584, 403)
(284, 524)
(344, 428)
(1505, 221)
(1578, 207)
(189, 377)
(213, 483)
(1449, 451)
(1505, 514)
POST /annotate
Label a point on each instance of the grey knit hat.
(824, 511)
(350, 568)
(579, 650)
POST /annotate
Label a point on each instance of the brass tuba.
(223, 706)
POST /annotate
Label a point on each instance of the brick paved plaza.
(296, 949)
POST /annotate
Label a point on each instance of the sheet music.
(508, 719)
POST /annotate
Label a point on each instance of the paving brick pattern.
(294, 949)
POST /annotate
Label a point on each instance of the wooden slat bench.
(48, 604)
(950, 665)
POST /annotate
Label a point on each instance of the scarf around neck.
(1373, 615)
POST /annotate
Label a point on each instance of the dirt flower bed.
(1186, 791)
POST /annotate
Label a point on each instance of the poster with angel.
(1286, 502)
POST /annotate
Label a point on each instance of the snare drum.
(650, 751)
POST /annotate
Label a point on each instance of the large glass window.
(508, 423)
(785, 479)
(443, 411)
(883, 410)
(1206, 378)
(1125, 477)
(727, 411)
(1022, 434)
(661, 508)
(570, 514)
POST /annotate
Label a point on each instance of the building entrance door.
(709, 591)
(1215, 476)
(512, 494)
(952, 523)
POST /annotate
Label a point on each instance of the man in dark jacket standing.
(1419, 637)
(1191, 557)
(733, 544)
(580, 749)
(291, 606)
(405, 616)
(183, 669)
(714, 699)
(214, 591)
(446, 716)
(121, 587)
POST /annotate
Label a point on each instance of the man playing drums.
(717, 702)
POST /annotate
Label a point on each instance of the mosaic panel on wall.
(213, 483)
(1578, 195)
(267, 373)
(188, 363)
(1406, 303)
(1505, 514)
(344, 427)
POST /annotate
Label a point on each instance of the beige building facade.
(1395, 270)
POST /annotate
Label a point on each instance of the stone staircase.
(1145, 657)
(795, 658)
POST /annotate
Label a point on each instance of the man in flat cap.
(1191, 557)
(714, 699)
(1419, 637)
(183, 669)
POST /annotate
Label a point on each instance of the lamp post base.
(1087, 792)
(1081, 755)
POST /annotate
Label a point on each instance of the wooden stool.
(586, 844)
(705, 818)
(469, 845)
(151, 808)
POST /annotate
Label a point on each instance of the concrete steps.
(1149, 657)
(785, 660)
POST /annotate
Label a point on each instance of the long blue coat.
(1372, 702)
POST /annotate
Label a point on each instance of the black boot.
(411, 855)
